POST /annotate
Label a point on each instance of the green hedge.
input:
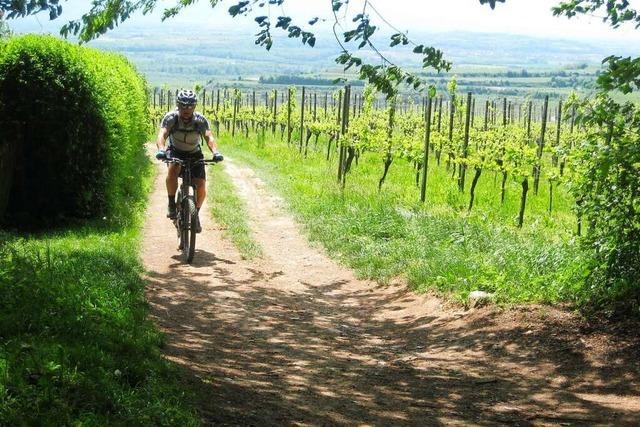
(73, 119)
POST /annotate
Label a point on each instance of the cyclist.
(185, 128)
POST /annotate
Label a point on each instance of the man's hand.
(217, 157)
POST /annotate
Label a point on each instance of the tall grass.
(436, 245)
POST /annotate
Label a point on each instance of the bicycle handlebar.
(182, 162)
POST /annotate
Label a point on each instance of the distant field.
(481, 61)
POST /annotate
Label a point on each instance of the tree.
(5, 31)
(104, 15)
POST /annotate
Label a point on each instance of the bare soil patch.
(296, 339)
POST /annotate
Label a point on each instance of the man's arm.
(211, 141)
(163, 133)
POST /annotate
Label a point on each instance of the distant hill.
(173, 54)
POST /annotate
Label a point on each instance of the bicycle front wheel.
(189, 213)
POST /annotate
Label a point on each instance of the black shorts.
(197, 171)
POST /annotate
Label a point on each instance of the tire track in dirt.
(295, 339)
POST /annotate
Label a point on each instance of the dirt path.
(295, 339)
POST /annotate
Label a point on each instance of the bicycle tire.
(189, 229)
(178, 221)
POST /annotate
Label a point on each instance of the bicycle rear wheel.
(188, 231)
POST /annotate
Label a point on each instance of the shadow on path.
(261, 354)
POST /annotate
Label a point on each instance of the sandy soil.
(296, 339)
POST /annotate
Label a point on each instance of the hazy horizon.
(513, 18)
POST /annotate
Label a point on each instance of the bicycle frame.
(186, 202)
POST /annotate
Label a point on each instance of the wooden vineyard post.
(302, 104)
(486, 115)
(343, 130)
(439, 113)
(473, 112)
(523, 201)
(275, 111)
(315, 106)
(536, 174)
(503, 186)
(355, 104)
(525, 180)
(336, 135)
(504, 111)
(558, 123)
(253, 102)
(529, 113)
(388, 157)
(289, 116)
(236, 100)
(434, 106)
(573, 113)
(452, 111)
(494, 114)
(427, 139)
(465, 145)
(554, 158)
(326, 102)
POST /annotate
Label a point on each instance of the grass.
(437, 245)
(230, 211)
(76, 346)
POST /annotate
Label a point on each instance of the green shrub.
(74, 120)
(608, 192)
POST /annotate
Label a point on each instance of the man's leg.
(172, 187)
(201, 193)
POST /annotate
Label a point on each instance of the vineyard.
(557, 168)
(520, 141)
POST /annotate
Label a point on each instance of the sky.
(525, 17)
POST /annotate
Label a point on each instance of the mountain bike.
(186, 211)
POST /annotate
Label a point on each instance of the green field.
(435, 245)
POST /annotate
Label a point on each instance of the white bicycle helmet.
(187, 97)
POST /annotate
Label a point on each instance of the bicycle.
(186, 212)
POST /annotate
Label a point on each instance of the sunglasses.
(186, 106)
